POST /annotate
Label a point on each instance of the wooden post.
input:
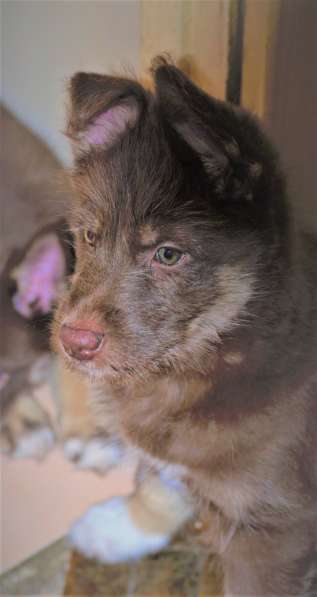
(260, 26)
(194, 32)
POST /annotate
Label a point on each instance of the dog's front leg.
(271, 563)
(26, 429)
(87, 446)
(127, 528)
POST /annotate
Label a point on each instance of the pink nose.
(81, 344)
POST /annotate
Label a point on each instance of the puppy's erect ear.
(218, 133)
(39, 276)
(102, 109)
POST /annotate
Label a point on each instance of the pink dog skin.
(39, 276)
(110, 124)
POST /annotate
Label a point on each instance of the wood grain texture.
(259, 38)
(178, 571)
(194, 32)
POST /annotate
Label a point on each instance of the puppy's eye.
(168, 255)
(90, 237)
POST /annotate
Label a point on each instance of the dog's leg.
(127, 528)
(26, 430)
(82, 442)
(271, 563)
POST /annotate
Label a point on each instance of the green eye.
(168, 255)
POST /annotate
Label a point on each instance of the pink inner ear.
(39, 277)
(111, 124)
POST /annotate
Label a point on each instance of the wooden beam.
(194, 32)
(260, 26)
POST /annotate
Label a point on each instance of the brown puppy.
(193, 311)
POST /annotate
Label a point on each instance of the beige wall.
(45, 41)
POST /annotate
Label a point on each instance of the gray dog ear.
(216, 131)
(102, 109)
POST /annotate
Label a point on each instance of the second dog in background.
(36, 257)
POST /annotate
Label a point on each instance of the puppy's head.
(29, 287)
(178, 209)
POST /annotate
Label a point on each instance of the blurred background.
(260, 53)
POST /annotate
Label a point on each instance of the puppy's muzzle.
(81, 344)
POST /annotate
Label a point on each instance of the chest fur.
(240, 467)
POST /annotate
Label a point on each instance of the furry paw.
(25, 431)
(35, 444)
(106, 532)
(97, 453)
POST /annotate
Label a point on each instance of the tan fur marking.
(158, 508)
(25, 410)
(25, 414)
(76, 413)
(233, 358)
(236, 290)
(147, 235)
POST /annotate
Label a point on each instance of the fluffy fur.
(34, 259)
(207, 368)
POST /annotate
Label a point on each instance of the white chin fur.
(35, 444)
(94, 454)
(107, 533)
